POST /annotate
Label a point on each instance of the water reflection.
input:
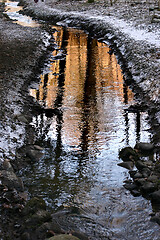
(86, 88)
(12, 10)
(81, 84)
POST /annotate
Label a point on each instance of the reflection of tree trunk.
(138, 126)
(127, 127)
(45, 87)
(89, 101)
(61, 79)
(59, 98)
(125, 92)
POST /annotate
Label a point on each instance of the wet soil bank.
(22, 52)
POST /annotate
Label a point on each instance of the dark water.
(81, 139)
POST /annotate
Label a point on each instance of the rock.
(132, 173)
(10, 180)
(148, 187)
(128, 165)
(6, 165)
(144, 147)
(64, 237)
(128, 154)
(156, 218)
(138, 175)
(34, 154)
(140, 165)
(130, 186)
(33, 205)
(22, 118)
(156, 196)
(38, 218)
(37, 147)
(153, 178)
(140, 181)
(80, 235)
(146, 172)
(135, 193)
(48, 229)
(25, 236)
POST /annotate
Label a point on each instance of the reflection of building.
(93, 87)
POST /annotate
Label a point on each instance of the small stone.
(38, 148)
(132, 173)
(140, 181)
(22, 118)
(148, 187)
(7, 165)
(146, 172)
(156, 218)
(80, 235)
(53, 226)
(128, 165)
(144, 147)
(130, 186)
(10, 180)
(152, 178)
(138, 175)
(135, 193)
(34, 155)
(140, 165)
(33, 205)
(38, 218)
(64, 237)
(25, 236)
(128, 153)
(156, 196)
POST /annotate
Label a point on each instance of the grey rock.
(130, 186)
(6, 165)
(155, 196)
(64, 237)
(132, 173)
(144, 147)
(153, 178)
(38, 218)
(128, 154)
(156, 218)
(128, 165)
(33, 205)
(146, 172)
(34, 155)
(140, 181)
(148, 187)
(140, 165)
(135, 193)
(138, 175)
(10, 180)
(49, 226)
(22, 118)
(79, 235)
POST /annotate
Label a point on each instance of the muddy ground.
(23, 51)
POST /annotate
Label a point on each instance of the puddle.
(85, 86)
(12, 10)
(83, 125)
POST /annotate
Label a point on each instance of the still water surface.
(79, 167)
(85, 83)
